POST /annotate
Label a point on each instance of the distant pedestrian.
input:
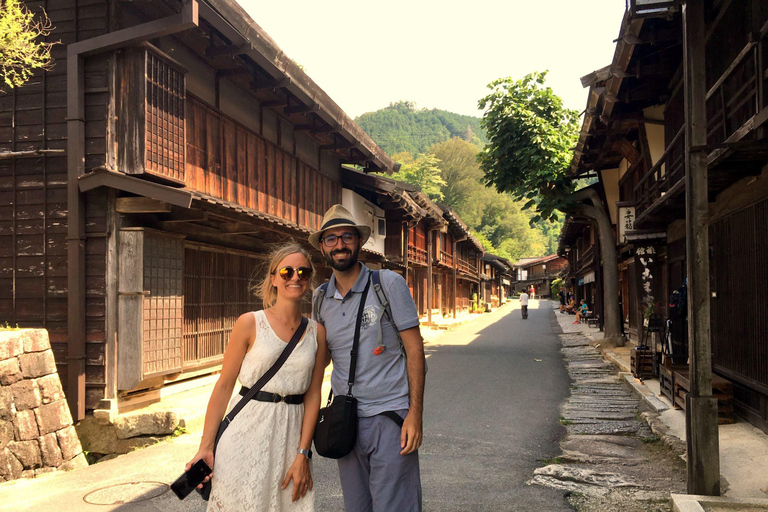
(524, 304)
(533, 292)
(561, 295)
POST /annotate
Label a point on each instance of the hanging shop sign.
(626, 221)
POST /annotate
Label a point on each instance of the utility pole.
(701, 406)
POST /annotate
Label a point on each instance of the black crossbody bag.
(205, 492)
(336, 429)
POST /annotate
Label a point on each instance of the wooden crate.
(641, 362)
(667, 379)
(722, 389)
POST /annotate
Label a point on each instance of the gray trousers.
(374, 476)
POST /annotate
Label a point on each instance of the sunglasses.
(286, 273)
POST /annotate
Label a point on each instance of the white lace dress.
(260, 444)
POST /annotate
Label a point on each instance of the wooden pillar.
(405, 240)
(455, 270)
(701, 410)
(430, 248)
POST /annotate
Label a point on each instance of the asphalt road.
(494, 388)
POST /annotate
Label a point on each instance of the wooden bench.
(641, 362)
(592, 319)
(667, 380)
(722, 389)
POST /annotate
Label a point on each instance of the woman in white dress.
(263, 458)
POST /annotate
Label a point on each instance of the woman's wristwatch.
(306, 453)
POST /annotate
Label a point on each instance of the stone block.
(52, 417)
(37, 364)
(6, 433)
(28, 473)
(27, 452)
(25, 425)
(105, 416)
(94, 437)
(35, 340)
(10, 344)
(146, 423)
(10, 371)
(136, 443)
(44, 470)
(7, 410)
(10, 467)
(69, 443)
(50, 388)
(50, 451)
(26, 395)
(75, 463)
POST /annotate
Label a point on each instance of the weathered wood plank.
(141, 205)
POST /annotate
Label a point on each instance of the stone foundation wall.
(36, 432)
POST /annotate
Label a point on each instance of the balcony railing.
(664, 174)
(416, 254)
(735, 97)
(467, 267)
(446, 258)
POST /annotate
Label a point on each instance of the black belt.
(263, 396)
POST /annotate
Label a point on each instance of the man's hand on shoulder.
(411, 433)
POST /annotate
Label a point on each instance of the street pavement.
(494, 391)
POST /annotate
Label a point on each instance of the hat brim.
(365, 233)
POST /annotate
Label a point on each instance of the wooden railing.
(664, 174)
(586, 258)
(467, 267)
(416, 254)
(734, 99)
(446, 258)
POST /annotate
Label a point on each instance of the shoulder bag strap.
(356, 342)
(269, 373)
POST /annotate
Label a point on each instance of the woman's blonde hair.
(264, 290)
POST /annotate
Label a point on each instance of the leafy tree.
(461, 172)
(423, 172)
(530, 139)
(21, 51)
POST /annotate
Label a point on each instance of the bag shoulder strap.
(356, 341)
(269, 373)
(320, 292)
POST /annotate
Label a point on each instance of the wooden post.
(430, 248)
(405, 230)
(701, 410)
(455, 270)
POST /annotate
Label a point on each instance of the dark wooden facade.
(634, 136)
(191, 155)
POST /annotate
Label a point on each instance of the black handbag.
(336, 429)
(205, 492)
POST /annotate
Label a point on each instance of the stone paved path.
(611, 460)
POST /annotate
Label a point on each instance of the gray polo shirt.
(381, 380)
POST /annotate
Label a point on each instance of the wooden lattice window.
(151, 125)
(165, 90)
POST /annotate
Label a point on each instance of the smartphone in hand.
(187, 482)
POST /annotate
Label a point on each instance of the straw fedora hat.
(338, 216)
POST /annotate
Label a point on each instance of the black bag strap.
(269, 373)
(356, 342)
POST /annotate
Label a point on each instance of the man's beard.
(344, 264)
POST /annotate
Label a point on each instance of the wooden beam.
(141, 205)
(218, 51)
(300, 109)
(627, 150)
(275, 103)
(184, 215)
(223, 73)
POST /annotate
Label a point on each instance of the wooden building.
(633, 139)
(143, 178)
(496, 279)
(580, 246)
(539, 273)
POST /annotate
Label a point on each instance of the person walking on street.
(561, 295)
(524, 304)
(533, 292)
(381, 473)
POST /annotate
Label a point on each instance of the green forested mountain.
(438, 152)
(402, 127)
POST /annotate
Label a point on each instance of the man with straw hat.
(382, 471)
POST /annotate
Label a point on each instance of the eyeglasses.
(347, 238)
(286, 273)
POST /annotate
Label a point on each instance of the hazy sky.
(440, 54)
